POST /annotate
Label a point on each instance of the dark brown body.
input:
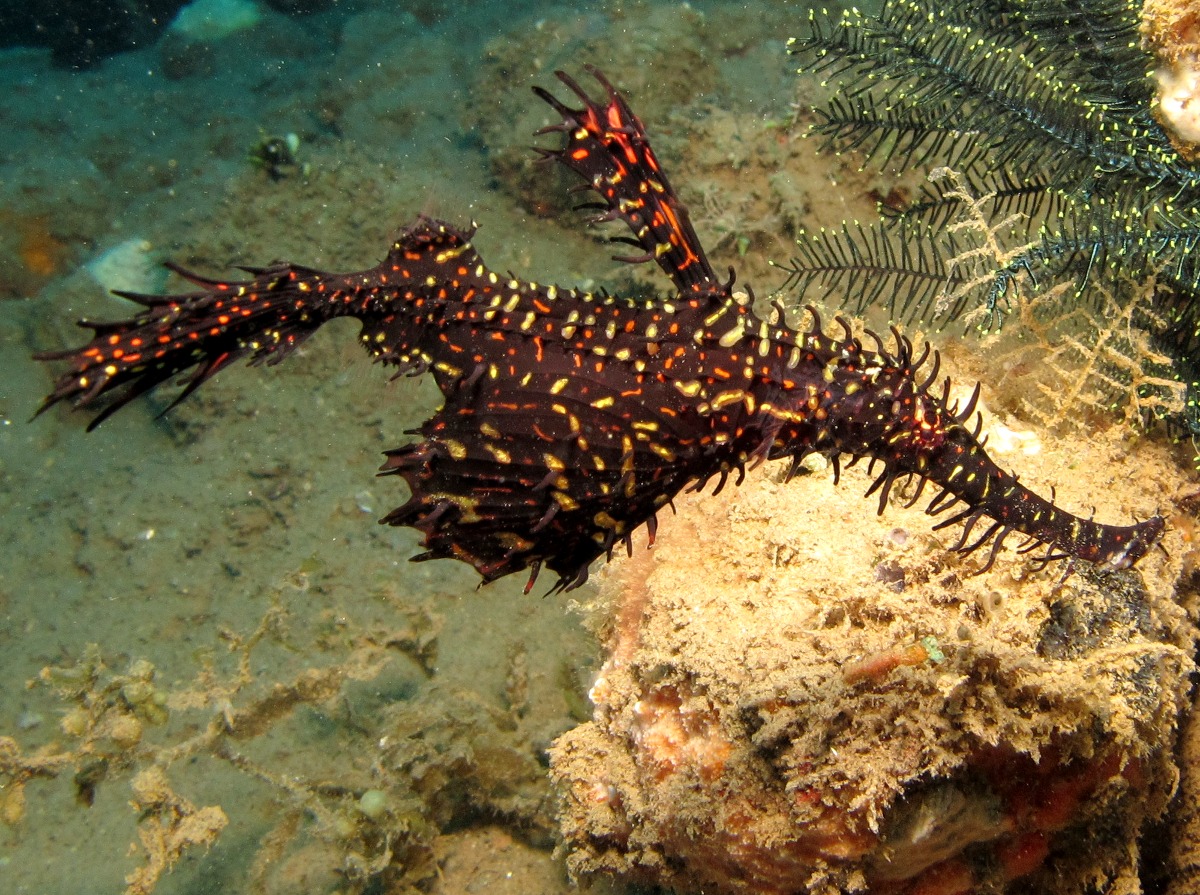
(571, 418)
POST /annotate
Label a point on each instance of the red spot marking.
(542, 308)
(117, 353)
(132, 358)
(223, 319)
(498, 337)
(113, 340)
(537, 341)
(580, 154)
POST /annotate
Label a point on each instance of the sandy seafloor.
(155, 538)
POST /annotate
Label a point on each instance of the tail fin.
(965, 472)
(263, 318)
(400, 304)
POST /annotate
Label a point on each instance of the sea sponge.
(130, 266)
(1171, 30)
(803, 698)
(203, 21)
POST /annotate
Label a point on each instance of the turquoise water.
(168, 539)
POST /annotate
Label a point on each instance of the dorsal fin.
(607, 146)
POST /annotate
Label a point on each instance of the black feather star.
(1044, 107)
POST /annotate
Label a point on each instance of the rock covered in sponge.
(771, 718)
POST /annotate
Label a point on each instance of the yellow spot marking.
(730, 396)
(604, 520)
(716, 315)
(444, 256)
(733, 336)
(502, 456)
